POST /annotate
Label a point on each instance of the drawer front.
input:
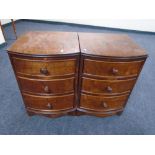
(113, 69)
(36, 86)
(44, 68)
(108, 87)
(52, 103)
(100, 103)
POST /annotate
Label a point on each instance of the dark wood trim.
(106, 77)
(80, 77)
(50, 112)
(56, 56)
(76, 81)
(106, 95)
(110, 58)
(49, 94)
(99, 112)
(46, 78)
(79, 73)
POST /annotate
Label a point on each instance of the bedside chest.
(46, 68)
(110, 65)
(61, 73)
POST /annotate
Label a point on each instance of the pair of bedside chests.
(69, 73)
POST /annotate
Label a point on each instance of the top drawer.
(112, 69)
(44, 67)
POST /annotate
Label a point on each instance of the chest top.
(105, 44)
(59, 43)
(46, 43)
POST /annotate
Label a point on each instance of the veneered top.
(46, 43)
(105, 44)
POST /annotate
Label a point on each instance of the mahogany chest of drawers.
(61, 73)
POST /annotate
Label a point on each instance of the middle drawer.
(107, 87)
(38, 86)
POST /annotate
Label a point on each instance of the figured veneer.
(112, 69)
(107, 87)
(44, 68)
(110, 45)
(110, 65)
(50, 103)
(47, 87)
(47, 43)
(101, 103)
(68, 73)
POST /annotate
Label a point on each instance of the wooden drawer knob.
(104, 105)
(46, 89)
(114, 71)
(49, 106)
(109, 89)
(44, 71)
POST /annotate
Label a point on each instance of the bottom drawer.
(100, 103)
(53, 103)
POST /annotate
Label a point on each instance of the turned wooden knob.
(104, 105)
(46, 89)
(109, 89)
(114, 71)
(44, 71)
(49, 106)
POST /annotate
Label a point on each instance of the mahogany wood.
(101, 103)
(51, 103)
(46, 43)
(44, 68)
(106, 68)
(107, 87)
(111, 45)
(46, 87)
(65, 73)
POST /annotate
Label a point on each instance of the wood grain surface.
(46, 43)
(61, 73)
(105, 44)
